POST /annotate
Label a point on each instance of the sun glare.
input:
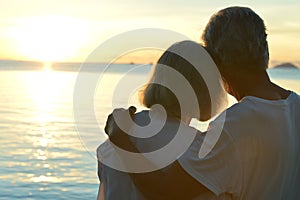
(50, 38)
(47, 66)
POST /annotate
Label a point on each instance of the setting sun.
(49, 38)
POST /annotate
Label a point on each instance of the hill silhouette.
(286, 66)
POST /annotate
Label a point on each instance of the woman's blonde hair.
(154, 93)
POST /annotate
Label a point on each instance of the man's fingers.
(132, 111)
(122, 115)
(118, 110)
(108, 125)
(110, 122)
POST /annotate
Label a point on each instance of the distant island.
(286, 66)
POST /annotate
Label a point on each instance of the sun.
(50, 38)
(47, 67)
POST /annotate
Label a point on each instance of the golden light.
(47, 66)
(50, 38)
(44, 92)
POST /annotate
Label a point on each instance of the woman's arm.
(101, 192)
(101, 195)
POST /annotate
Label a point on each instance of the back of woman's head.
(236, 39)
(177, 83)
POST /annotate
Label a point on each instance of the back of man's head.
(236, 39)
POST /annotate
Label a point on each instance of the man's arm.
(171, 182)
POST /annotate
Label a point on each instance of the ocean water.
(42, 154)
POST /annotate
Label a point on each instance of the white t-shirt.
(257, 155)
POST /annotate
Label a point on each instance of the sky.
(69, 30)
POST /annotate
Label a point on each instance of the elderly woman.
(176, 93)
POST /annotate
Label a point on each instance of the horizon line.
(275, 62)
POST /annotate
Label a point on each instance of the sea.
(44, 151)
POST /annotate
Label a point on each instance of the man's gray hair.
(236, 39)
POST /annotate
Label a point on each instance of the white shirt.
(257, 154)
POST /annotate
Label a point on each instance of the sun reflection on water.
(43, 153)
(48, 89)
(47, 179)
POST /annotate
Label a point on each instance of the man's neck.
(258, 85)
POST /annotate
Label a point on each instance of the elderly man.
(257, 154)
